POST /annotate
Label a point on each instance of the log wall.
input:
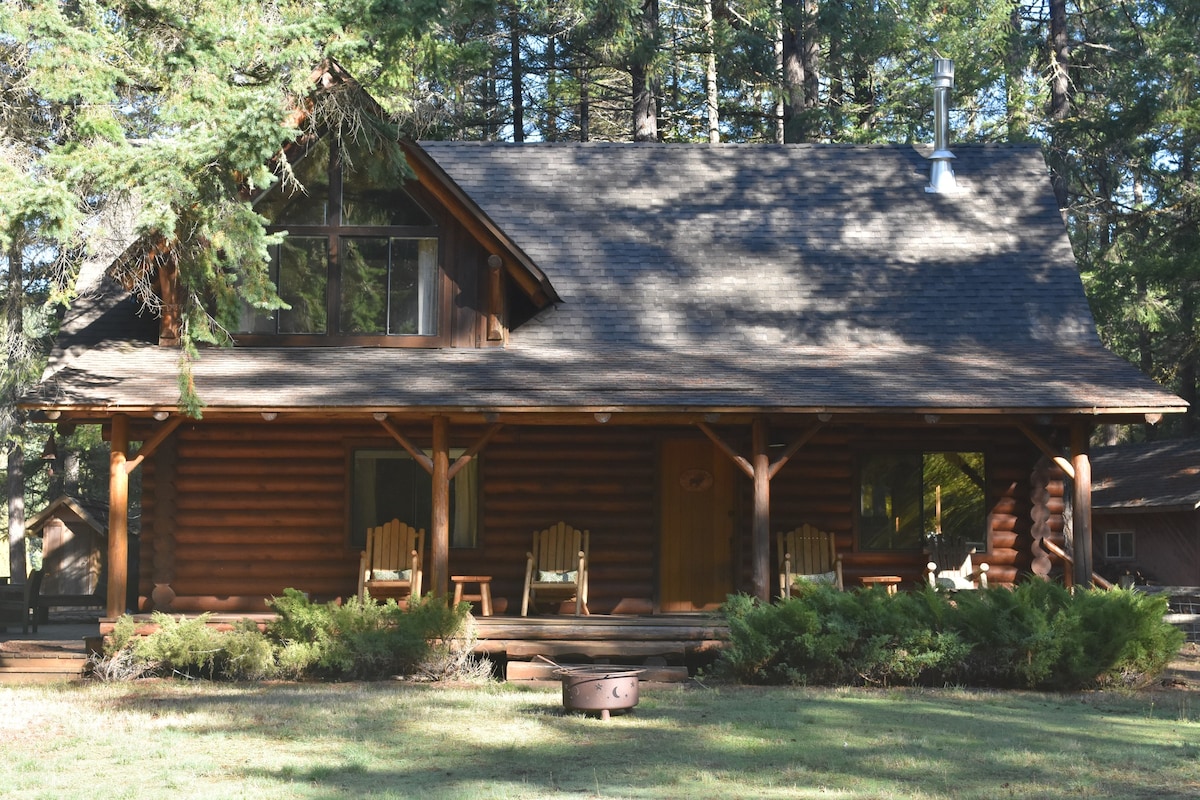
(235, 513)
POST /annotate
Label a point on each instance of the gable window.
(359, 262)
(388, 484)
(906, 497)
(1118, 545)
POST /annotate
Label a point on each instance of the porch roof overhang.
(640, 387)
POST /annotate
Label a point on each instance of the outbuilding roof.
(1149, 476)
(705, 276)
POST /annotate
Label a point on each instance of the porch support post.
(1081, 506)
(118, 517)
(439, 582)
(760, 536)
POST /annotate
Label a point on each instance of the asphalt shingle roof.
(1150, 476)
(750, 276)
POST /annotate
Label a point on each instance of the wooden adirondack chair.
(390, 567)
(952, 567)
(557, 567)
(807, 553)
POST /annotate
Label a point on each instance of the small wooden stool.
(889, 582)
(484, 598)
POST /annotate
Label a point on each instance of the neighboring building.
(1146, 511)
(682, 348)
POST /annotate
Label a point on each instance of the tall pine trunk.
(517, 74)
(14, 356)
(645, 107)
(1060, 86)
(710, 75)
(801, 78)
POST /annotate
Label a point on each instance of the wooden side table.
(483, 597)
(889, 582)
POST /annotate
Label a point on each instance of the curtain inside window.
(427, 302)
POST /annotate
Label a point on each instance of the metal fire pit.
(599, 688)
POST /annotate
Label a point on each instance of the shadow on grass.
(391, 740)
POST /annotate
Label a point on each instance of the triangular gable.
(35, 523)
(518, 265)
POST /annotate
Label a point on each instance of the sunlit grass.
(398, 740)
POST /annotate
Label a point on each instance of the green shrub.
(187, 647)
(246, 654)
(1121, 638)
(354, 640)
(1037, 635)
(360, 639)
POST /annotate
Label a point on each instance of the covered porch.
(683, 507)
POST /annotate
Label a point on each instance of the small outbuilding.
(74, 539)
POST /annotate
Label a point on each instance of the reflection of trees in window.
(388, 484)
(389, 285)
(384, 265)
(299, 268)
(302, 274)
(906, 496)
(306, 203)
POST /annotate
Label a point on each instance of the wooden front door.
(696, 549)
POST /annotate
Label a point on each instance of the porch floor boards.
(664, 644)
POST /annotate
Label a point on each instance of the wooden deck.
(668, 646)
(57, 652)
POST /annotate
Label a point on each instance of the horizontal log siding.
(259, 507)
(600, 479)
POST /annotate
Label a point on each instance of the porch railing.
(1069, 574)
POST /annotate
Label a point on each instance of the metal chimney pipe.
(941, 175)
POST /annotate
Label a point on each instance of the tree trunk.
(585, 106)
(16, 513)
(645, 108)
(1014, 95)
(800, 76)
(1060, 84)
(14, 355)
(780, 104)
(517, 74)
(710, 75)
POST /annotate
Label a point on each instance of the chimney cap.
(943, 73)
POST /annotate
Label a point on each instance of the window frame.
(1121, 532)
(333, 231)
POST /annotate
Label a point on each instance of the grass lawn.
(173, 739)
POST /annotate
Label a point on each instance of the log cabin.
(683, 349)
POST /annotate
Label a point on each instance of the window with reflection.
(360, 255)
(906, 497)
(388, 484)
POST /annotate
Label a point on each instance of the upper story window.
(359, 263)
(906, 497)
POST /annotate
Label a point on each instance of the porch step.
(541, 671)
(41, 667)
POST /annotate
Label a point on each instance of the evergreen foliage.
(1034, 636)
(354, 640)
